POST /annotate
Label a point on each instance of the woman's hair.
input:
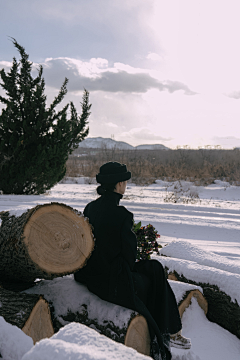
(105, 187)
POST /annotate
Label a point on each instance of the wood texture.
(47, 241)
(202, 302)
(29, 312)
(39, 324)
(137, 335)
(186, 300)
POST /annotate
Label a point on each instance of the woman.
(112, 272)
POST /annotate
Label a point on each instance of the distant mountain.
(107, 143)
(99, 142)
(151, 147)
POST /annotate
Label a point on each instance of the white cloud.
(142, 134)
(96, 75)
(154, 57)
(112, 125)
(234, 95)
(5, 64)
(99, 62)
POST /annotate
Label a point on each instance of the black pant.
(152, 287)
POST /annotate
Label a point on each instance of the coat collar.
(113, 196)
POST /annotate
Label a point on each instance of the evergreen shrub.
(146, 240)
(35, 141)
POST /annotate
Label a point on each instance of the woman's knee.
(157, 266)
(150, 267)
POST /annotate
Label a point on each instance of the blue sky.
(157, 71)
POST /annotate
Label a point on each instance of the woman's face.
(121, 187)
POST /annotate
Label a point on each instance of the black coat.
(113, 275)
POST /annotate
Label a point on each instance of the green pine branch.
(35, 140)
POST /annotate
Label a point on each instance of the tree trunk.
(47, 241)
(221, 309)
(29, 312)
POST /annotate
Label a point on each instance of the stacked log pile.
(116, 322)
(46, 242)
(53, 240)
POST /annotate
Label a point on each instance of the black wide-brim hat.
(112, 173)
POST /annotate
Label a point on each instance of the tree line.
(201, 166)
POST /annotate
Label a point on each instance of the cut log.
(116, 322)
(47, 241)
(202, 302)
(133, 333)
(137, 335)
(29, 312)
(220, 289)
(220, 308)
(184, 292)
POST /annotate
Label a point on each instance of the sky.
(158, 72)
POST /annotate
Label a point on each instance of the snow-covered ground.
(206, 217)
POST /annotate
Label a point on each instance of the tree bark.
(221, 309)
(45, 242)
(29, 312)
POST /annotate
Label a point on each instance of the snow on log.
(185, 250)
(116, 322)
(46, 241)
(77, 341)
(29, 312)
(220, 289)
(184, 292)
(73, 302)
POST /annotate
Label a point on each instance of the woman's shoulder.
(90, 207)
(115, 210)
(125, 212)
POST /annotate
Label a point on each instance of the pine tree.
(35, 141)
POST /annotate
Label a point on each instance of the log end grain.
(39, 324)
(58, 239)
(137, 336)
(202, 302)
(29, 312)
(172, 276)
